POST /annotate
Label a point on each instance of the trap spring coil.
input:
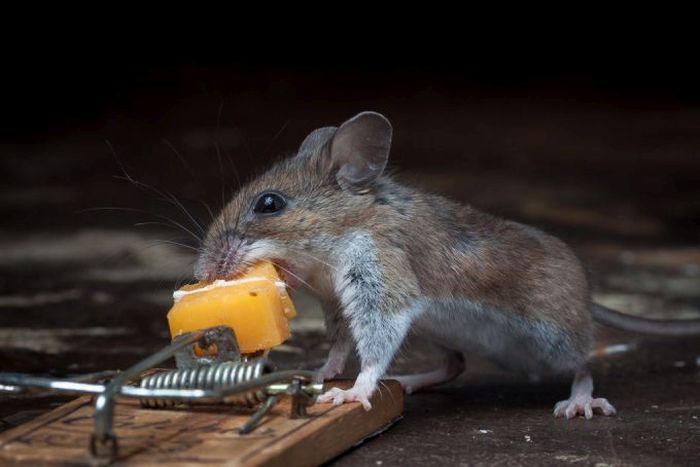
(209, 377)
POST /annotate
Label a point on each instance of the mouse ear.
(315, 141)
(359, 150)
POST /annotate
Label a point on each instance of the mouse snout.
(221, 258)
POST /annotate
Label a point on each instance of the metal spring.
(209, 377)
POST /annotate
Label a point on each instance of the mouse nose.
(220, 258)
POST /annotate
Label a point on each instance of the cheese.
(255, 305)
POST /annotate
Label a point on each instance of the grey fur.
(359, 150)
(385, 258)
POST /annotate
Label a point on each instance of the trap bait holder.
(225, 377)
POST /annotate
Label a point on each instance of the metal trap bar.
(203, 381)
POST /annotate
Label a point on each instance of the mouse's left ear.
(312, 144)
(359, 150)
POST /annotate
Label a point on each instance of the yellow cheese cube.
(255, 305)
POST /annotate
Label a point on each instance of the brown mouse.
(385, 258)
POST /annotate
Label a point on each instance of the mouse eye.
(269, 203)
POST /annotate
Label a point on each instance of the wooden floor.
(84, 289)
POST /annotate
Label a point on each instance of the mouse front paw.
(339, 396)
(583, 405)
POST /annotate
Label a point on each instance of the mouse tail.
(615, 319)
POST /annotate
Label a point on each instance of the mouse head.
(291, 213)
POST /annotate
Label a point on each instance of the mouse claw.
(583, 405)
(339, 396)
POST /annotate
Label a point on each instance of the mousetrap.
(228, 412)
(219, 406)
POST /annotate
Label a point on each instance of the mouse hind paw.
(581, 400)
(583, 405)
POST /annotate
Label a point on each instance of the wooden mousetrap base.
(205, 435)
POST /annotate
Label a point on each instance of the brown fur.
(431, 245)
(383, 257)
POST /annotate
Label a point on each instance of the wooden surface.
(204, 436)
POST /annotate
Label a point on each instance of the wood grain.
(206, 435)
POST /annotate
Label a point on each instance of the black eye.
(269, 203)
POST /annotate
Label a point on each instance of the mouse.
(385, 259)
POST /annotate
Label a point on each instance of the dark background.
(619, 113)
(595, 139)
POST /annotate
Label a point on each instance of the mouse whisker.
(209, 210)
(277, 135)
(168, 198)
(306, 253)
(144, 186)
(234, 169)
(296, 277)
(162, 224)
(181, 206)
(172, 242)
(388, 390)
(173, 222)
(183, 161)
(217, 149)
